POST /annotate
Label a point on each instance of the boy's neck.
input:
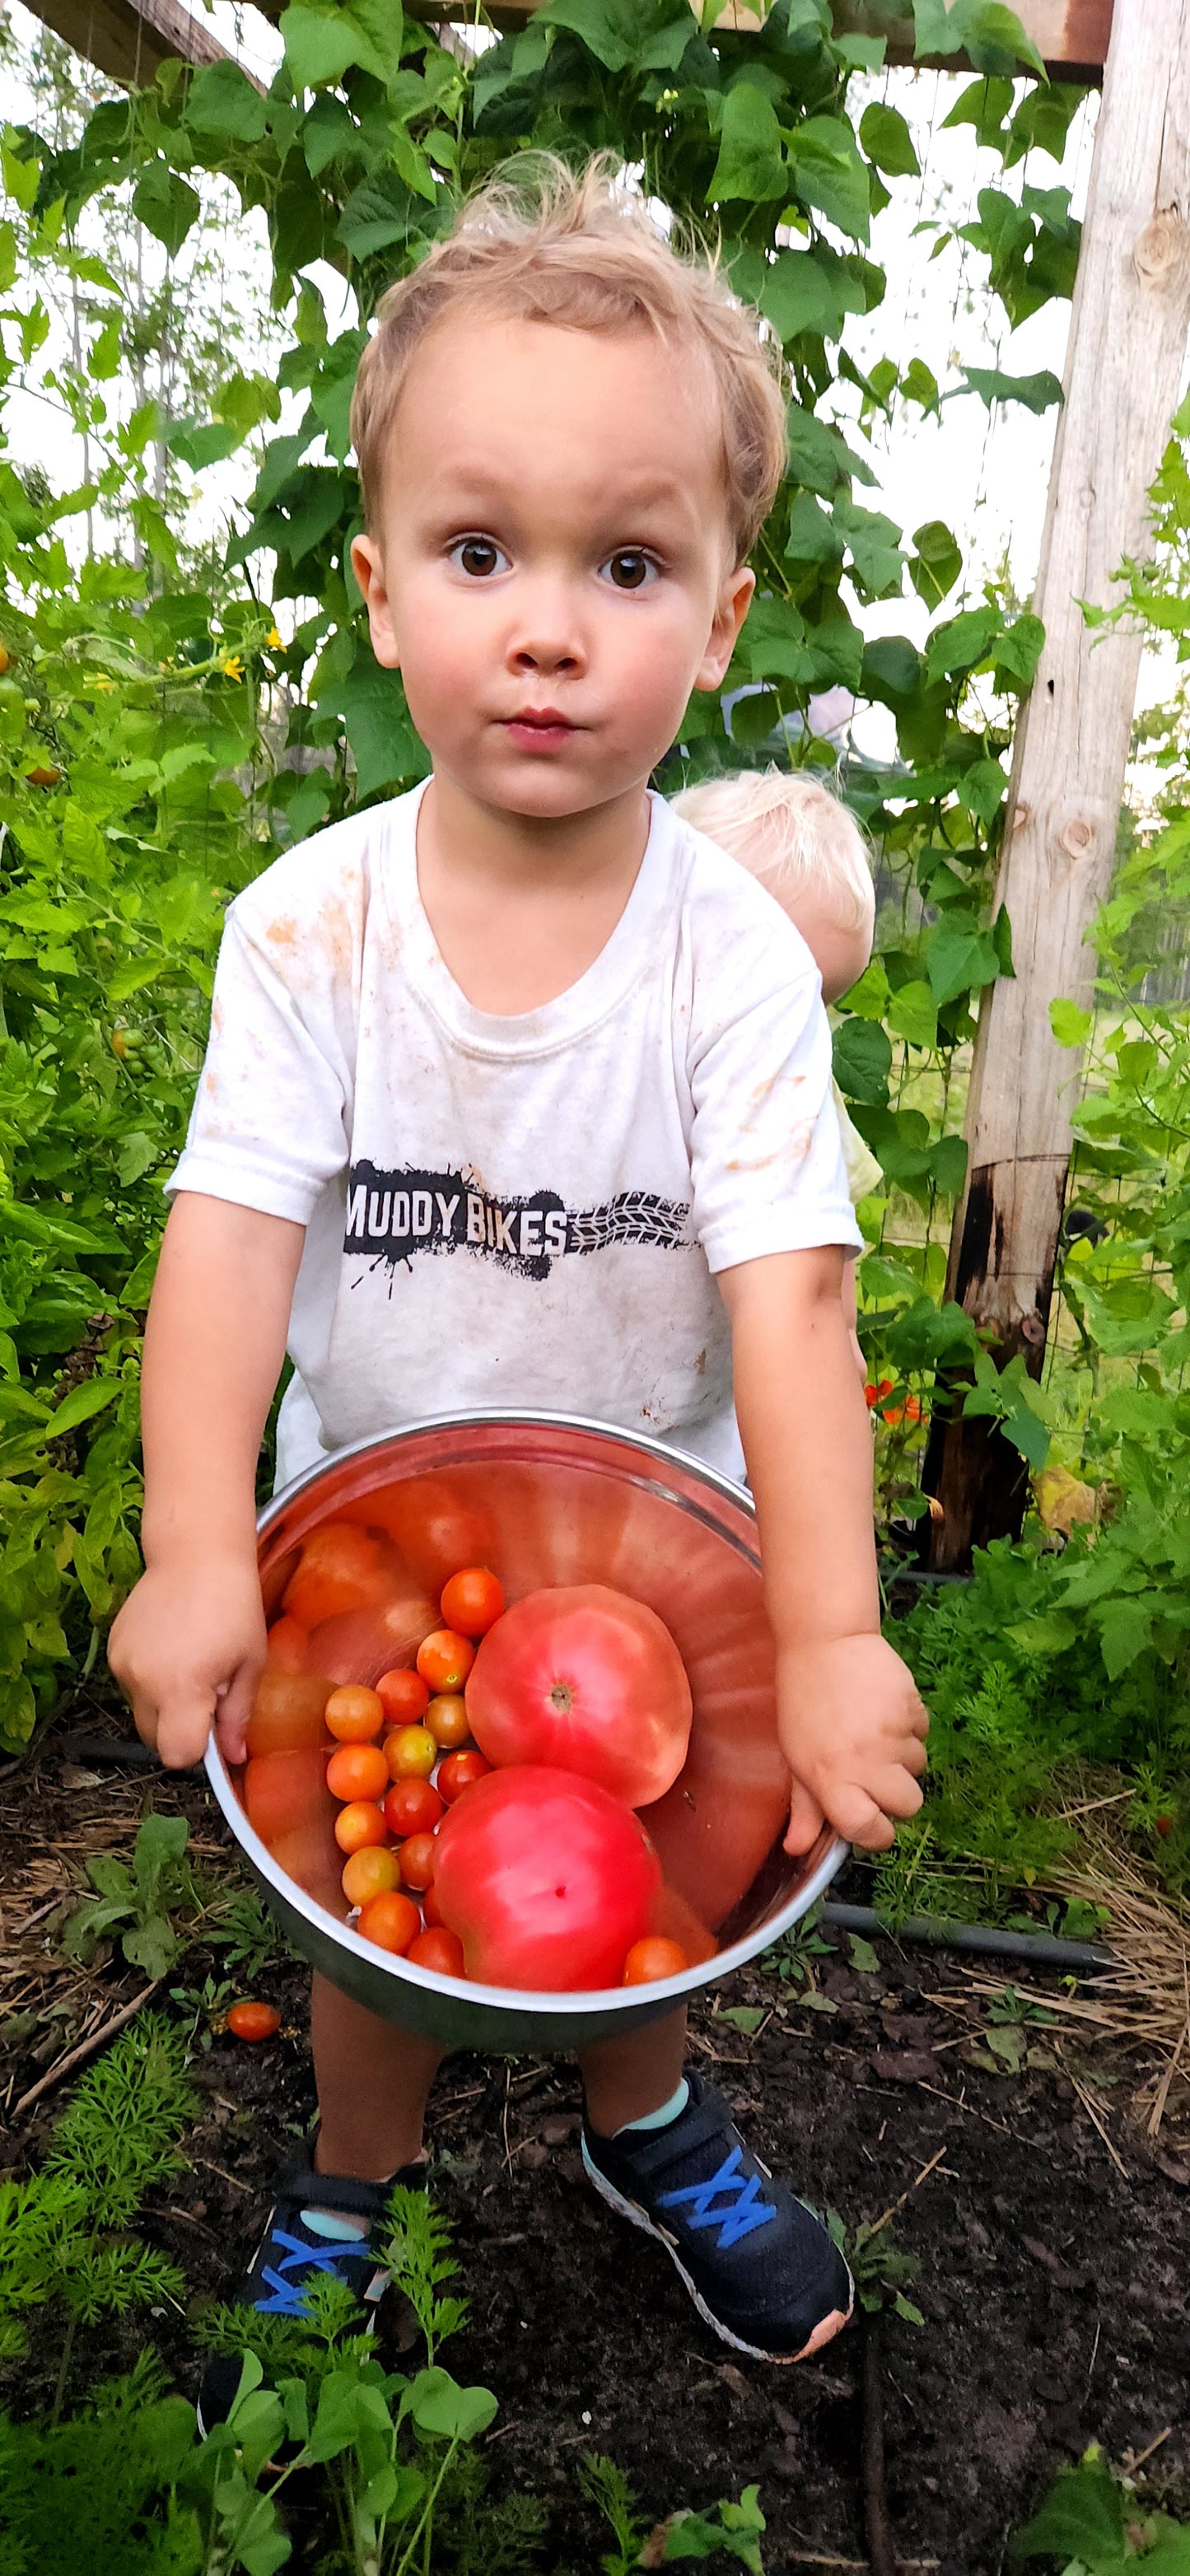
(521, 905)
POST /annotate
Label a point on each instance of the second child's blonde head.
(799, 840)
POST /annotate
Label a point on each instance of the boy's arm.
(852, 1725)
(189, 1641)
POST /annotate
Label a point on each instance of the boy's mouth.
(538, 729)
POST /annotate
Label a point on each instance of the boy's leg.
(625, 2079)
(373, 2084)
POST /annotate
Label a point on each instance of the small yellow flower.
(233, 667)
(274, 641)
(101, 682)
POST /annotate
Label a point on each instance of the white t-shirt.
(524, 1212)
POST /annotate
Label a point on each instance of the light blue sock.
(669, 2111)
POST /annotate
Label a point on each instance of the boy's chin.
(539, 790)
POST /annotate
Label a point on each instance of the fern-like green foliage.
(96, 2496)
(417, 2253)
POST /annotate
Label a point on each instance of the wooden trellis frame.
(1126, 348)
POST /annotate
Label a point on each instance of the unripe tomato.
(448, 1722)
(439, 1950)
(444, 1660)
(43, 776)
(340, 1568)
(547, 1879)
(418, 1857)
(371, 1871)
(254, 2021)
(413, 1807)
(357, 1771)
(355, 1715)
(404, 1696)
(472, 1601)
(460, 1771)
(360, 1824)
(411, 1753)
(287, 1641)
(652, 1958)
(391, 1921)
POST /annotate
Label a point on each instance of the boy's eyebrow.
(485, 483)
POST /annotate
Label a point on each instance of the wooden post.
(1127, 342)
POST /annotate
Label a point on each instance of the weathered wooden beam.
(130, 39)
(1127, 344)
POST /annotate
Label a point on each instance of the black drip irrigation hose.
(988, 1940)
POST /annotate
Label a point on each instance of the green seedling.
(1088, 2526)
(877, 2266)
(135, 1904)
(731, 2529)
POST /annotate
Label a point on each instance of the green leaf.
(796, 295)
(1018, 650)
(862, 1060)
(1038, 393)
(321, 43)
(862, 1956)
(745, 2017)
(913, 1014)
(383, 743)
(1125, 1629)
(750, 163)
(981, 789)
(996, 40)
(438, 2405)
(166, 204)
(959, 959)
(152, 1946)
(222, 100)
(962, 643)
(938, 561)
(82, 1404)
(1002, 941)
(1071, 1024)
(888, 142)
(829, 173)
(1083, 2518)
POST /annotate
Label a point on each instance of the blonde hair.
(788, 830)
(583, 252)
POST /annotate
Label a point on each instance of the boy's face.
(552, 569)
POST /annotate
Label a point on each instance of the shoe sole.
(824, 2332)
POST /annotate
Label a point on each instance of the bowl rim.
(825, 1857)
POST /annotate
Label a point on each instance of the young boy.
(527, 989)
(800, 842)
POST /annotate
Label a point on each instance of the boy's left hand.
(853, 1731)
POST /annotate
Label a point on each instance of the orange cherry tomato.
(360, 1824)
(653, 1958)
(473, 1601)
(418, 1857)
(340, 1568)
(411, 1753)
(357, 1771)
(391, 1921)
(413, 1807)
(431, 1909)
(460, 1771)
(287, 1712)
(287, 1645)
(444, 1660)
(355, 1715)
(403, 1695)
(439, 1950)
(448, 1721)
(254, 2021)
(371, 1871)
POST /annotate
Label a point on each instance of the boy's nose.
(547, 637)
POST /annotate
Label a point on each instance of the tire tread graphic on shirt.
(392, 1215)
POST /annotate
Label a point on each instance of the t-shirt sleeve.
(766, 1154)
(269, 1125)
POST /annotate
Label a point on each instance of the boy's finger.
(806, 1820)
(182, 1731)
(856, 1816)
(895, 1790)
(233, 1710)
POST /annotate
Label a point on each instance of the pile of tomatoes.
(476, 1802)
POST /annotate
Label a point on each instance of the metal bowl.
(547, 1499)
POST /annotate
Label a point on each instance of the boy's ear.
(731, 608)
(367, 563)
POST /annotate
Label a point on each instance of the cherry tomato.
(546, 1878)
(411, 1753)
(472, 1601)
(357, 1771)
(460, 1771)
(355, 1715)
(287, 1712)
(45, 776)
(652, 1958)
(391, 1921)
(340, 1568)
(673, 1920)
(371, 1871)
(1165, 1826)
(360, 1824)
(444, 1660)
(439, 1950)
(288, 1644)
(254, 2021)
(587, 1680)
(431, 1909)
(418, 1857)
(448, 1721)
(413, 1807)
(404, 1695)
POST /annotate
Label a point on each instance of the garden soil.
(1052, 2235)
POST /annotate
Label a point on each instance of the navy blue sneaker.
(321, 2227)
(759, 2266)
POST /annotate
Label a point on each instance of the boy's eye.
(629, 568)
(478, 557)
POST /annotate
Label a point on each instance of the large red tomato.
(547, 1880)
(588, 1679)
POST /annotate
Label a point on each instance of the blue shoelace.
(745, 2211)
(288, 2298)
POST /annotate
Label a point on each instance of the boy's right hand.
(186, 1649)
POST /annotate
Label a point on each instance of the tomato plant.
(254, 2021)
(546, 1878)
(587, 1679)
(472, 1601)
(444, 1660)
